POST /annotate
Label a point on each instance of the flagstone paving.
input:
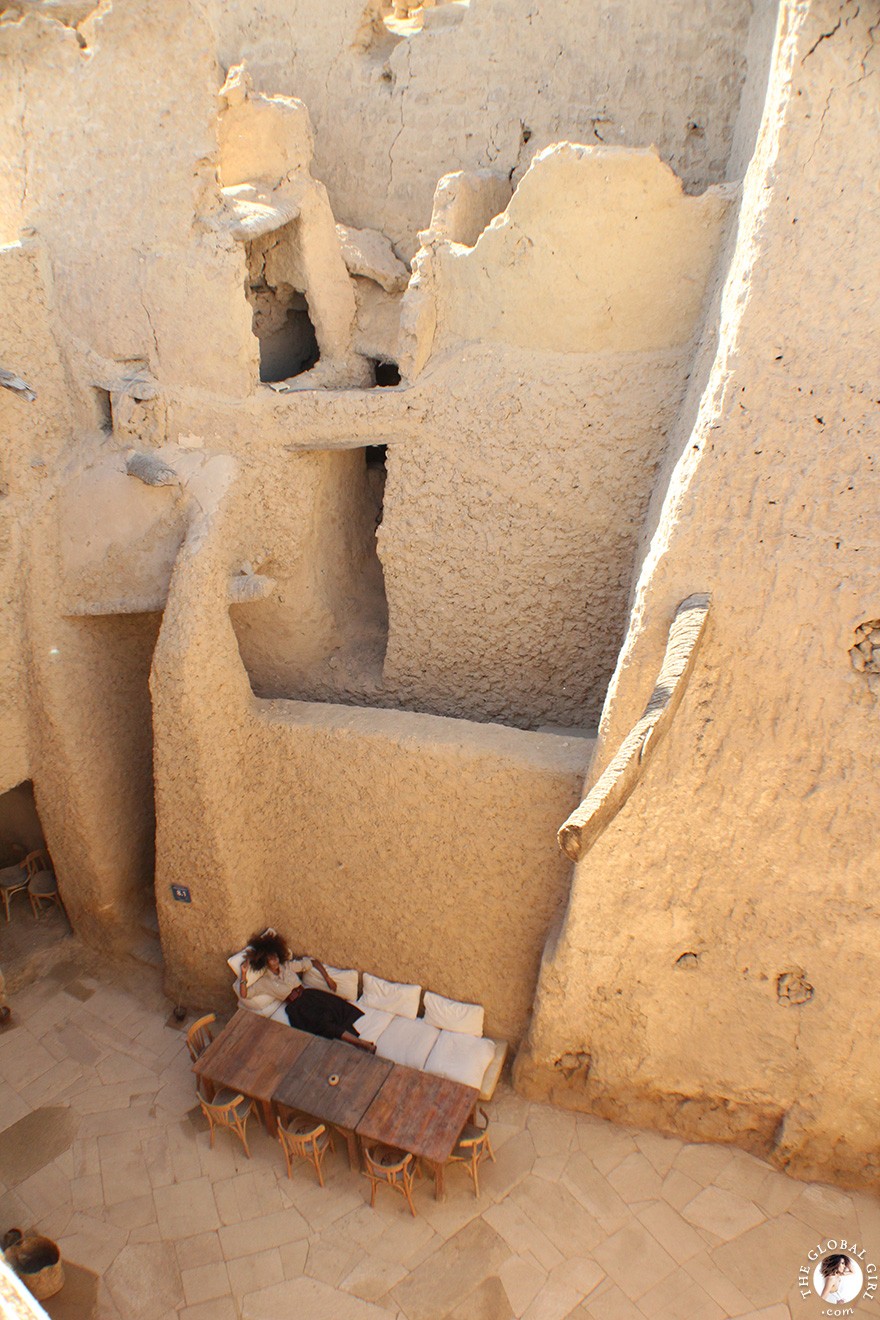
(103, 1149)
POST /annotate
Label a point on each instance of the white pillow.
(406, 1041)
(235, 963)
(391, 996)
(461, 1058)
(450, 1015)
(346, 981)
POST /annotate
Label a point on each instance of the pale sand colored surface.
(578, 1217)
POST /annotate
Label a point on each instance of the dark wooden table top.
(419, 1112)
(252, 1054)
(306, 1087)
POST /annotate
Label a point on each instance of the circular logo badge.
(837, 1278)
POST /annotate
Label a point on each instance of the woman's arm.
(316, 962)
(242, 985)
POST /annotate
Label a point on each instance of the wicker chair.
(199, 1036)
(472, 1147)
(228, 1109)
(305, 1138)
(397, 1168)
(13, 880)
(42, 886)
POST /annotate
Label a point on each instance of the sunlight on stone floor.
(103, 1149)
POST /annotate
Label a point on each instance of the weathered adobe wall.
(33, 433)
(748, 842)
(490, 90)
(510, 530)
(372, 838)
(115, 206)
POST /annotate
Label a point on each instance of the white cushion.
(450, 1015)
(264, 1005)
(461, 1058)
(235, 962)
(279, 1012)
(407, 1041)
(346, 981)
(373, 1023)
(391, 996)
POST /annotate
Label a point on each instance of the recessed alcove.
(284, 331)
(103, 410)
(20, 828)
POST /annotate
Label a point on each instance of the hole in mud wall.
(377, 470)
(386, 375)
(322, 633)
(20, 828)
(284, 330)
(104, 409)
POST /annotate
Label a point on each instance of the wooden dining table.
(309, 1086)
(365, 1098)
(421, 1113)
(251, 1055)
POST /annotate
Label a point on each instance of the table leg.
(270, 1117)
(354, 1158)
(438, 1171)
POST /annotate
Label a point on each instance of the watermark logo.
(840, 1275)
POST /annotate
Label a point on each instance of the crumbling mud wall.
(708, 974)
(487, 85)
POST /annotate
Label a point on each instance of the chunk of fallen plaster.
(151, 470)
(367, 252)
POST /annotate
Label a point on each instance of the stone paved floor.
(578, 1218)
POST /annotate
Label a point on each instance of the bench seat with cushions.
(446, 1038)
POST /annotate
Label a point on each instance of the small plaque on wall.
(181, 894)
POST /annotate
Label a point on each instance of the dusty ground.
(103, 1149)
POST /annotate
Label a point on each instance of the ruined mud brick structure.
(454, 427)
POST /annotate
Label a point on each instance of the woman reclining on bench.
(317, 1011)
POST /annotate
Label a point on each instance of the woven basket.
(47, 1279)
(46, 1282)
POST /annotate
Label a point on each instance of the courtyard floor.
(103, 1149)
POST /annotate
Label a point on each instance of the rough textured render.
(395, 381)
(707, 973)
(487, 85)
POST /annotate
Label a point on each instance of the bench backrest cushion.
(391, 996)
(264, 1005)
(346, 981)
(450, 1015)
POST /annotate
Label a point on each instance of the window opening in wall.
(284, 329)
(105, 410)
(386, 375)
